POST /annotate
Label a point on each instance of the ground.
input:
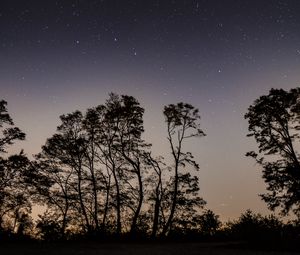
(130, 249)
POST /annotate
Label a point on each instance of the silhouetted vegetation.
(15, 205)
(274, 122)
(97, 179)
(256, 228)
(97, 176)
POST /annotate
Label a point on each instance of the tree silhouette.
(255, 227)
(128, 115)
(209, 223)
(97, 174)
(53, 188)
(182, 123)
(187, 214)
(118, 125)
(48, 227)
(9, 134)
(14, 199)
(274, 123)
(106, 125)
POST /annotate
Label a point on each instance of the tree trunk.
(82, 203)
(118, 198)
(168, 225)
(106, 203)
(156, 210)
(133, 228)
(94, 183)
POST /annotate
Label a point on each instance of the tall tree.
(67, 150)
(119, 139)
(108, 124)
(182, 123)
(91, 125)
(13, 198)
(131, 147)
(274, 122)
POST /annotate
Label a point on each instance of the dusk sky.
(218, 55)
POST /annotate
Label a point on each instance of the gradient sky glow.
(59, 56)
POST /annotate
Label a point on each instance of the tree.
(274, 123)
(209, 223)
(131, 146)
(95, 160)
(62, 164)
(255, 227)
(182, 123)
(108, 125)
(97, 168)
(48, 228)
(14, 199)
(53, 187)
(9, 134)
(117, 126)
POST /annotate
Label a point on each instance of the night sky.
(60, 56)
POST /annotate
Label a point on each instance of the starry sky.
(60, 56)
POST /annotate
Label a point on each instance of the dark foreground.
(93, 248)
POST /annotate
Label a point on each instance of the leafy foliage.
(274, 123)
(9, 134)
(15, 205)
(209, 223)
(255, 227)
(96, 174)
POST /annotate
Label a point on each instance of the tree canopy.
(15, 205)
(96, 174)
(274, 122)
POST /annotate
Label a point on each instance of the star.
(134, 51)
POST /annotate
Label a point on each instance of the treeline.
(97, 177)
